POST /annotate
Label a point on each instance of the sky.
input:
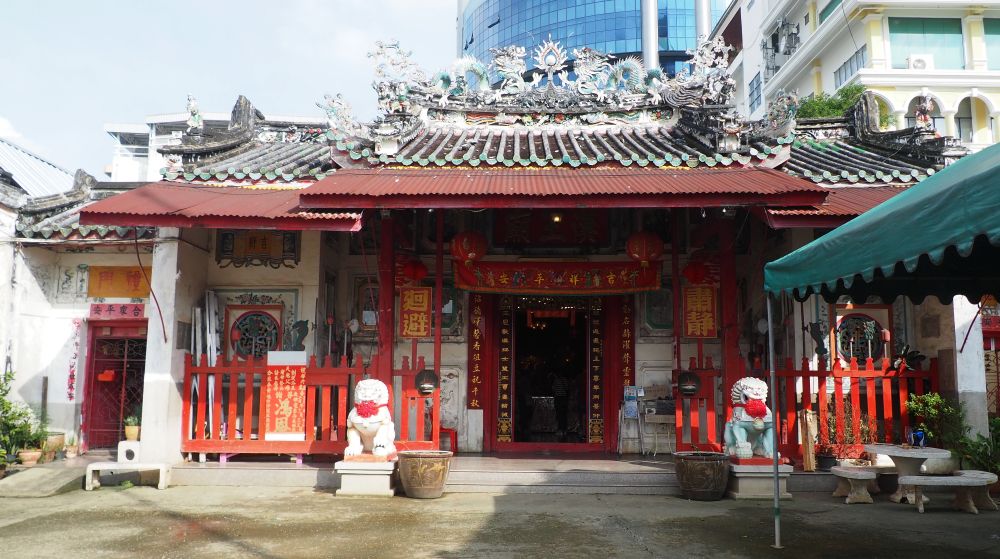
(68, 67)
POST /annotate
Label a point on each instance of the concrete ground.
(256, 522)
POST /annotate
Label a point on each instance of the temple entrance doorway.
(550, 370)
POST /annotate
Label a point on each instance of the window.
(755, 92)
(827, 10)
(847, 70)
(992, 28)
(938, 37)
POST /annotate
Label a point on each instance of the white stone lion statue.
(369, 425)
(750, 432)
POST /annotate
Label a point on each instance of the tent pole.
(774, 430)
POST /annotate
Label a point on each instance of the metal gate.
(117, 365)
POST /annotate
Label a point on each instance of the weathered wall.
(50, 296)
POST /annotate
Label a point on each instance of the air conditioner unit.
(920, 62)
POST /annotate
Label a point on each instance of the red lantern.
(414, 271)
(695, 272)
(644, 247)
(468, 246)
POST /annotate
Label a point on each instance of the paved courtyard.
(193, 522)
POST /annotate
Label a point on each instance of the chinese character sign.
(506, 387)
(477, 352)
(118, 281)
(415, 312)
(116, 311)
(286, 403)
(628, 342)
(700, 316)
(595, 431)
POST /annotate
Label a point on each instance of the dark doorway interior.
(550, 381)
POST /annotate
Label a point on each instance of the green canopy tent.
(940, 237)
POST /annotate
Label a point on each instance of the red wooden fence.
(854, 405)
(696, 416)
(233, 417)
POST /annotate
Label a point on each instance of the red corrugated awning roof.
(842, 204)
(389, 187)
(183, 205)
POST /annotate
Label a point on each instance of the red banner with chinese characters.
(415, 312)
(566, 278)
(700, 316)
(505, 429)
(628, 342)
(116, 311)
(477, 350)
(286, 403)
(595, 431)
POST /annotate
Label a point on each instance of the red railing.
(854, 405)
(696, 416)
(227, 401)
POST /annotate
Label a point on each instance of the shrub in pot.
(944, 426)
(132, 428)
(71, 449)
(983, 453)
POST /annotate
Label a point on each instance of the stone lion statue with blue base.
(751, 430)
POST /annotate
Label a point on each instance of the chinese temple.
(522, 239)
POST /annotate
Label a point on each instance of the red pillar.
(386, 301)
(731, 369)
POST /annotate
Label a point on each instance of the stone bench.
(92, 479)
(962, 484)
(853, 483)
(981, 494)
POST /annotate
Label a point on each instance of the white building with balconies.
(902, 50)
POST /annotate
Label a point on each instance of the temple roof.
(57, 216)
(611, 114)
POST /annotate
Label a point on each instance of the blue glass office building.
(611, 26)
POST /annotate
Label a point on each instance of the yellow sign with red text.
(415, 312)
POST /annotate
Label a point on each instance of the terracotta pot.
(72, 451)
(423, 473)
(994, 488)
(54, 442)
(29, 457)
(703, 476)
(131, 432)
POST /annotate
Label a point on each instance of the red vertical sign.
(477, 352)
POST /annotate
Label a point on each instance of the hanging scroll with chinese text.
(505, 387)
(477, 351)
(596, 372)
(700, 316)
(628, 342)
(552, 278)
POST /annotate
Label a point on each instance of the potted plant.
(826, 457)
(71, 449)
(132, 428)
(32, 437)
(943, 424)
(15, 419)
(983, 453)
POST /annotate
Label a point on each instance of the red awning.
(166, 204)
(842, 205)
(559, 187)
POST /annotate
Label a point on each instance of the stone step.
(565, 489)
(459, 477)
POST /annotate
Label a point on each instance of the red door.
(115, 373)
